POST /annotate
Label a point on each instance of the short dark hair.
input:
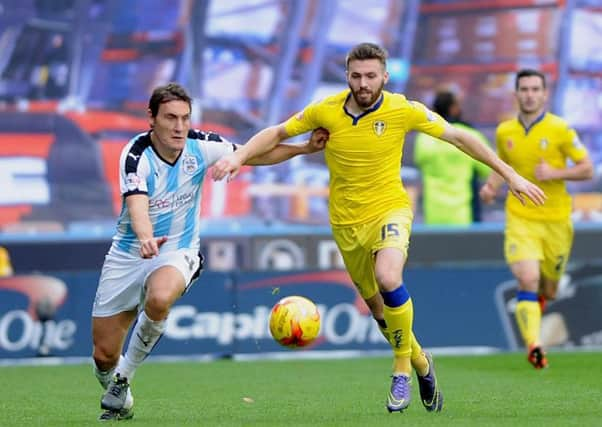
(529, 72)
(365, 51)
(443, 102)
(169, 92)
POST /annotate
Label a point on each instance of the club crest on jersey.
(379, 127)
(190, 164)
(509, 144)
(543, 143)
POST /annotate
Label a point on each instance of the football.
(294, 321)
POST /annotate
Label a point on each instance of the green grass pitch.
(493, 390)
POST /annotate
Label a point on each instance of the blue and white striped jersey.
(174, 190)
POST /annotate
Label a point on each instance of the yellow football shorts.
(359, 245)
(548, 242)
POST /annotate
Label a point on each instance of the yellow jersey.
(551, 139)
(363, 153)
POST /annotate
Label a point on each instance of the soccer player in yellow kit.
(537, 240)
(370, 211)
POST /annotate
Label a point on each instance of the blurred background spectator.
(450, 178)
(74, 76)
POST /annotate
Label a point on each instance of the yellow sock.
(418, 359)
(383, 330)
(399, 324)
(528, 318)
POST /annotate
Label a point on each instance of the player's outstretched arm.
(282, 151)
(137, 205)
(517, 185)
(260, 143)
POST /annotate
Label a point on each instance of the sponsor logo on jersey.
(190, 164)
(379, 127)
(172, 202)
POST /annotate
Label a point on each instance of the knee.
(157, 305)
(528, 281)
(388, 280)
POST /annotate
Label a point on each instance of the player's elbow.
(456, 137)
(586, 170)
(277, 134)
(589, 171)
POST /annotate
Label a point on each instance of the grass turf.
(494, 390)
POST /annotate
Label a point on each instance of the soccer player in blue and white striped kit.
(154, 257)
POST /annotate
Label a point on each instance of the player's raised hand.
(520, 187)
(227, 166)
(150, 247)
(317, 140)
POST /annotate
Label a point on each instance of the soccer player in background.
(447, 173)
(370, 211)
(537, 240)
(155, 255)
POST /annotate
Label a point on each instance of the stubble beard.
(372, 100)
(530, 109)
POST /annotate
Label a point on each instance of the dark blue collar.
(537, 120)
(375, 107)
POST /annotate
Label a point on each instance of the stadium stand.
(89, 65)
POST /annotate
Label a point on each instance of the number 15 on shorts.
(389, 231)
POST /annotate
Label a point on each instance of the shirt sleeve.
(572, 146)
(304, 121)
(421, 119)
(215, 150)
(134, 171)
